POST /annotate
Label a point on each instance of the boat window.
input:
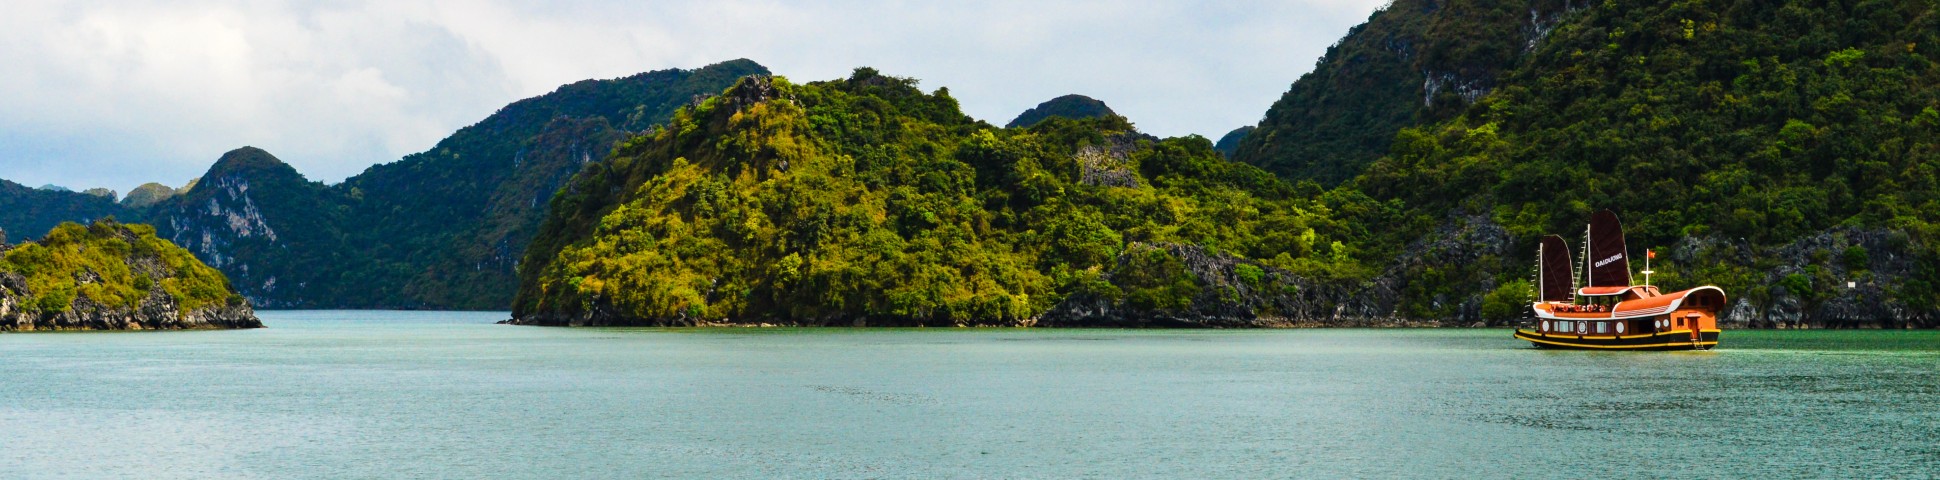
(1602, 327)
(1680, 322)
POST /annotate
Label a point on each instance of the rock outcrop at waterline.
(109, 276)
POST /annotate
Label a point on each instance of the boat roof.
(1600, 291)
(1638, 307)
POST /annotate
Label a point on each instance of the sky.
(119, 93)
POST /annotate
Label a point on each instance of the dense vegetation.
(1731, 134)
(108, 264)
(1414, 62)
(868, 200)
(1074, 107)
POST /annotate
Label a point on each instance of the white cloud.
(119, 93)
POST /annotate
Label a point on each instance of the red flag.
(1650, 253)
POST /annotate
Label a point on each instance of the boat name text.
(1607, 261)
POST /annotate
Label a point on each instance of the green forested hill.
(868, 201)
(1416, 61)
(108, 275)
(1780, 149)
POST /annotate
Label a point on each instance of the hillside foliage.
(111, 264)
(1738, 126)
(866, 198)
(1414, 62)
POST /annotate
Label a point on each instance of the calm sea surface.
(450, 395)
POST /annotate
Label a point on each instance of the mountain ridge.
(436, 229)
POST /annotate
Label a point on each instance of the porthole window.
(1619, 328)
(1582, 327)
(1545, 325)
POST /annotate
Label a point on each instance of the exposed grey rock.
(1227, 299)
(753, 89)
(1109, 165)
(157, 311)
(1870, 301)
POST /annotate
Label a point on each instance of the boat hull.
(1670, 340)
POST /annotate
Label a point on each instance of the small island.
(113, 276)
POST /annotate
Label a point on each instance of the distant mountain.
(56, 188)
(1229, 144)
(452, 221)
(438, 229)
(1075, 107)
(24, 209)
(148, 194)
(1414, 62)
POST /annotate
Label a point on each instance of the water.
(449, 395)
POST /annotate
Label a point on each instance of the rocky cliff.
(110, 276)
(1844, 277)
(278, 235)
(1233, 292)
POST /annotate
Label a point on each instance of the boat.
(1608, 311)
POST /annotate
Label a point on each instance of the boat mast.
(1589, 279)
(1539, 273)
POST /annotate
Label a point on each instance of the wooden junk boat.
(1609, 312)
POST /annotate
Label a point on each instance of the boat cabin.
(1633, 310)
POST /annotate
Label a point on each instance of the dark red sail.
(1609, 258)
(1557, 281)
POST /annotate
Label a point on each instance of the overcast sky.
(118, 93)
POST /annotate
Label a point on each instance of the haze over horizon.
(119, 93)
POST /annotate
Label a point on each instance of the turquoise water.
(449, 395)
